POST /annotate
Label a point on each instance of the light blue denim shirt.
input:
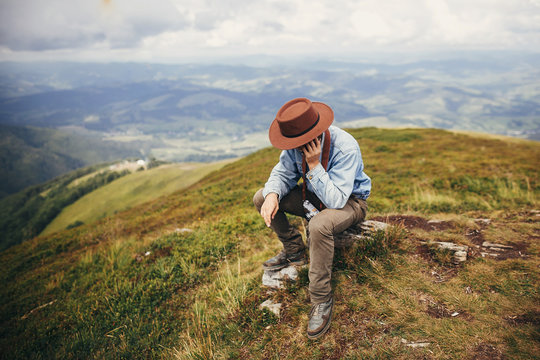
(345, 175)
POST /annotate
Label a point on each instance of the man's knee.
(320, 226)
(362, 213)
(258, 199)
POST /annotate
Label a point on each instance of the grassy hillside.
(130, 191)
(26, 213)
(130, 286)
(87, 194)
(30, 156)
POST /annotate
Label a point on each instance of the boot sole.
(282, 266)
(324, 330)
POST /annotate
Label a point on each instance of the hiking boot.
(319, 319)
(283, 259)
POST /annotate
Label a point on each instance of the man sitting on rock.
(332, 196)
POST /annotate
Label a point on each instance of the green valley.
(129, 191)
(87, 194)
(32, 155)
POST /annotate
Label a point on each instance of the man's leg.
(322, 228)
(287, 234)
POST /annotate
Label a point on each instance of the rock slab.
(460, 251)
(496, 247)
(415, 344)
(361, 231)
(275, 278)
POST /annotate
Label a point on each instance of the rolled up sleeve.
(335, 187)
(284, 176)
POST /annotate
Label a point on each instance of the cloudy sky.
(177, 30)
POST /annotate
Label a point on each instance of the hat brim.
(326, 117)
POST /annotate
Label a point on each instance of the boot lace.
(316, 309)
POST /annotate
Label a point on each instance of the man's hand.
(269, 208)
(312, 151)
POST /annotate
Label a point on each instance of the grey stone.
(358, 232)
(484, 254)
(275, 278)
(272, 306)
(483, 221)
(415, 344)
(460, 251)
(496, 246)
(460, 256)
(373, 226)
(435, 221)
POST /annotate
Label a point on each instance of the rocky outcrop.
(358, 232)
(459, 251)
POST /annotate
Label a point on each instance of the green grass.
(129, 191)
(129, 286)
(28, 212)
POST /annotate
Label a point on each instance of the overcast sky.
(176, 30)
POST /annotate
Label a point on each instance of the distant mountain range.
(209, 112)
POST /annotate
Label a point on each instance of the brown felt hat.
(298, 122)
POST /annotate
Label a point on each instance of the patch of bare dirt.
(159, 253)
(151, 257)
(512, 250)
(411, 222)
(423, 251)
(532, 317)
(439, 310)
(475, 236)
(487, 352)
(529, 216)
(520, 246)
(443, 274)
(483, 248)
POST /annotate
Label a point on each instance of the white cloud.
(60, 24)
(173, 29)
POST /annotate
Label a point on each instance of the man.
(330, 162)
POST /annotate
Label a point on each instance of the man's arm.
(335, 186)
(282, 179)
(284, 176)
(269, 208)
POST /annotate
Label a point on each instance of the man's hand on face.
(269, 208)
(312, 151)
